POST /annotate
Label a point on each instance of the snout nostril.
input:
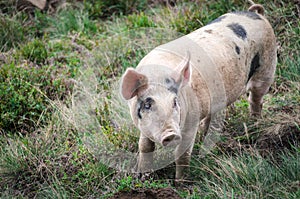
(168, 139)
(177, 138)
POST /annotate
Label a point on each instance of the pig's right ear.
(183, 71)
(132, 82)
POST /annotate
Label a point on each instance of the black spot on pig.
(237, 50)
(254, 66)
(251, 15)
(238, 29)
(219, 19)
(171, 85)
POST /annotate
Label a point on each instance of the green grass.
(247, 175)
(59, 99)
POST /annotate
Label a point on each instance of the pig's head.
(155, 106)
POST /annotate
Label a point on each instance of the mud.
(165, 193)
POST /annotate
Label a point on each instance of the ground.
(163, 193)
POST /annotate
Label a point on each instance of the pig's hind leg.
(260, 79)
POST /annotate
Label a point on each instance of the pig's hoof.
(182, 183)
(255, 115)
(144, 176)
(184, 186)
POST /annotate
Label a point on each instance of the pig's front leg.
(183, 153)
(146, 149)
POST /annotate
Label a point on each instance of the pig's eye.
(147, 106)
(148, 103)
(144, 106)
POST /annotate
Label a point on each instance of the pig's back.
(232, 42)
(221, 54)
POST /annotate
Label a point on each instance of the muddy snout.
(170, 139)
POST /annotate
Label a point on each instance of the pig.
(177, 88)
(41, 4)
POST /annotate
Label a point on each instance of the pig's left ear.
(132, 82)
(184, 71)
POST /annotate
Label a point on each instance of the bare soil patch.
(163, 193)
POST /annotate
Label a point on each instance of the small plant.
(11, 33)
(34, 51)
(139, 20)
(70, 20)
(104, 9)
(189, 18)
(128, 182)
(21, 102)
(290, 69)
(125, 183)
(25, 95)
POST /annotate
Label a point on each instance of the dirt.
(164, 193)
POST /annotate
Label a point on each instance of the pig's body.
(235, 53)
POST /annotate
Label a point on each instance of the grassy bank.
(61, 121)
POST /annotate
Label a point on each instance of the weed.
(26, 91)
(23, 105)
(130, 183)
(34, 51)
(139, 20)
(290, 69)
(11, 33)
(100, 9)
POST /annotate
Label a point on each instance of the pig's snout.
(171, 139)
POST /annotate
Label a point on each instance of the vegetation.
(64, 129)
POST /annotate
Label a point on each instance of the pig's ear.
(132, 82)
(184, 70)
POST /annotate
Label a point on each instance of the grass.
(62, 120)
(247, 175)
